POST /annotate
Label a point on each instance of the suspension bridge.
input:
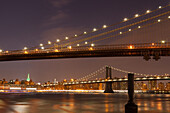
(106, 73)
(98, 42)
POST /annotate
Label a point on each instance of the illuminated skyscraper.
(28, 78)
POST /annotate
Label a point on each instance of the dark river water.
(82, 103)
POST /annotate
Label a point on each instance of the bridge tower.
(108, 85)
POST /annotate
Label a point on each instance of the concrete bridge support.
(108, 85)
(131, 107)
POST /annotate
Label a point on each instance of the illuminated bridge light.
(104, 26)
(92, 45)
(125, 19)
(94, 29)
(136, 15)
(163, 41)
(66, 38)
(42, 48)
(49, 42)
(58, 40)
(25, 48)
(159, 20)
(148, 11)
(41, 45)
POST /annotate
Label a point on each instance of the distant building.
(152, 84)
(161, 86)
(28, 78)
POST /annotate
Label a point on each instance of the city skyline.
(47, 20)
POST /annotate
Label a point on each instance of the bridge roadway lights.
(108, 86)
(131, 107)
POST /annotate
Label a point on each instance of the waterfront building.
(168, 86)
(161, 86)
(152, 84)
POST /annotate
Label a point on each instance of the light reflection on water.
(82, 103)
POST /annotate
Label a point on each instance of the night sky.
(31, 22)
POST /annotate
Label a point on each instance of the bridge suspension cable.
(93, 74)
(136, 16)
(139, 74)
(76, 36)
(118, 29)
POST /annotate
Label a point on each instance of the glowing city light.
(49, 42)
(104, 26)
(131, 47)
(85, 32)
(90, 48)
(86, 42)
(0, 50)
(130, 29)
(25, 52)
(41, 45)
(120, 32)
(168, 16)
(25, 48)
(36, 49)
(69, 47)
(56, 50)
(159, 20)
(139, 26)
(92, 45)
(153, 44)
(58, 40)
(78, 44)
(163, 41)
(66, 38)
(75, 35)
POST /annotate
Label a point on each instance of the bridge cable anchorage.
(105, 33)
(160, 7)
(139, 74)
(93, 74)
(136, 15)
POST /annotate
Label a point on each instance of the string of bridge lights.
(120, 33)
(104, 26)
(94, 30)
(103, 69)
(138, 27)
(139, 74)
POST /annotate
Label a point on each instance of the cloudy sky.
(31, 22)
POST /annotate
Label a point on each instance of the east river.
(82, 103)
